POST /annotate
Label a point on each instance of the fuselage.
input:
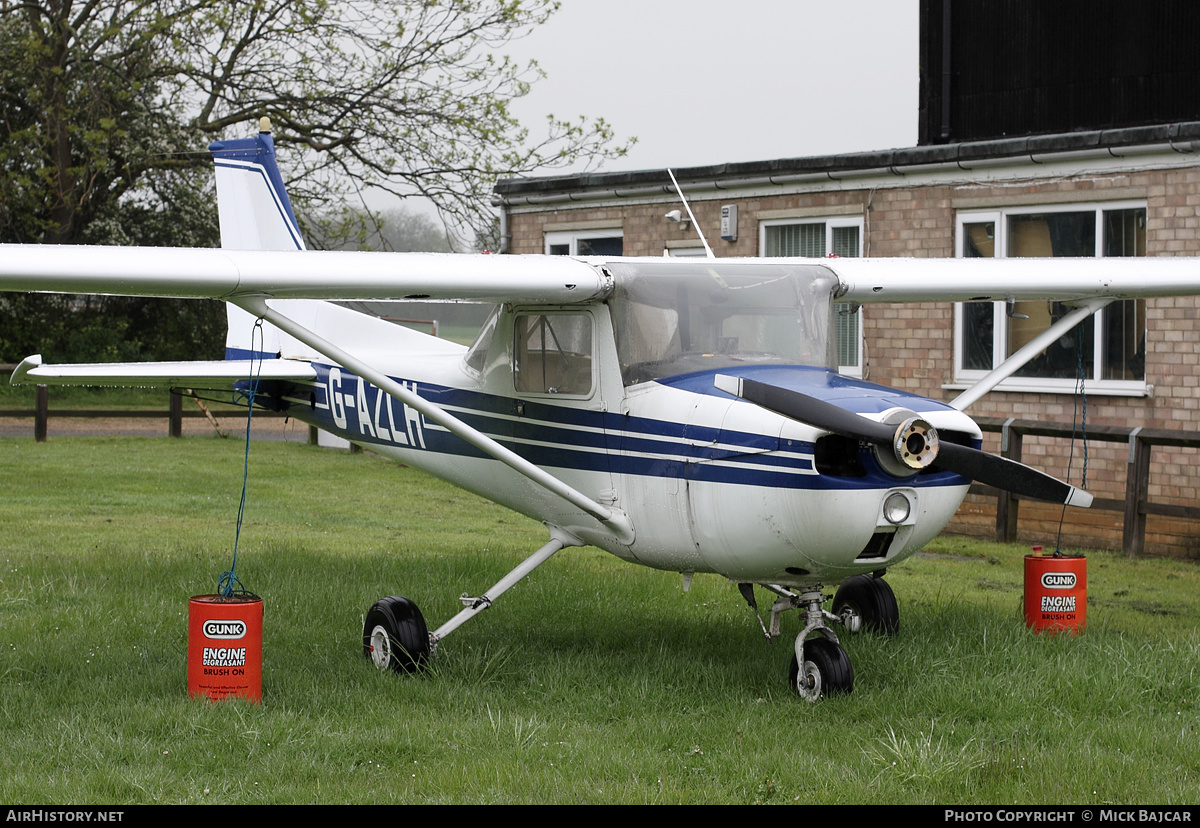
(711, 483)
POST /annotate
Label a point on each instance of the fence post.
(41, 412)
(1006, 504)
(175, 429)
(1137, 488)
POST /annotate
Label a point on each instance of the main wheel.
(395, 636)
(867, 602)
(826, 670)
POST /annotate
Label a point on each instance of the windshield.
(671, 320)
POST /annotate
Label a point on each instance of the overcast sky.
(706, 82)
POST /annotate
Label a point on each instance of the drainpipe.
(505, 237)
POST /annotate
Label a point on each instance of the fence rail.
(1136, 505)
(174, 413)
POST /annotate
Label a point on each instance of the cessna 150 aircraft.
(681, 414)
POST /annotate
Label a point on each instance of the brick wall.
(911, 346)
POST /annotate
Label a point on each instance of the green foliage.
(109, 328)
(108, 107)
(86, 97)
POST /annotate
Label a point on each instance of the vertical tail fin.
(255, 214)
(253, 203)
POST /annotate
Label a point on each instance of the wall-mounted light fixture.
(677, 217)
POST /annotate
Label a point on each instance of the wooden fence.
(174, 414)
(1135, 507)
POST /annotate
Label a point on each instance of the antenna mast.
(695, 224)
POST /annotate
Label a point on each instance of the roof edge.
(1185, 134)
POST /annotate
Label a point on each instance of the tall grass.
(591, 681)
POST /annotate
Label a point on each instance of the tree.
(398, 229)
(107, 106)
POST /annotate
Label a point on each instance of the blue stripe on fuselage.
(560, 436)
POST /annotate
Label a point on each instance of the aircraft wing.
(965, 280)
(210, 374)
(298, 274)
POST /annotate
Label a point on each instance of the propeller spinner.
(914, 442)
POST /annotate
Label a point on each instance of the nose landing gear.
(819, 666)
(825, 671)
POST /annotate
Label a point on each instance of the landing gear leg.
(394, 633)
(820, 667)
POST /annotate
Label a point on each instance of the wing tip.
(28, 364)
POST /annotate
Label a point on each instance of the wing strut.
(615, 519)
(474, 606)
(1030, 350)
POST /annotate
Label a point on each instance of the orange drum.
(1056, 592)
(225, 647)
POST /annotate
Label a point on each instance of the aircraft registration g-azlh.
(681, 414)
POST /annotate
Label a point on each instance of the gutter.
(1183, 138)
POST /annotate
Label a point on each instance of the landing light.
(896, 508)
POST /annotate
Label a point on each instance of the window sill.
(1096, 388)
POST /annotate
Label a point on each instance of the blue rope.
(228, 584)
(1080, 393)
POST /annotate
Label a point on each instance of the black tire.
(872, 600)
(395, 636)
(827, 671)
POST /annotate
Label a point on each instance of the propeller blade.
(990, 469)
(1009, 475)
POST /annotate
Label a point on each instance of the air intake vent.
(877, 547)
(838, 456)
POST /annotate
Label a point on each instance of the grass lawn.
(591, 681)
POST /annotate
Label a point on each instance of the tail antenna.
(699, 232)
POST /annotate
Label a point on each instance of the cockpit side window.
(552, 353)
(477, 353)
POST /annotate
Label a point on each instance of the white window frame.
(564, 313)
(964, 377)
(831, 223)
(571, 238)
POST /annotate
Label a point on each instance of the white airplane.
(681, 414)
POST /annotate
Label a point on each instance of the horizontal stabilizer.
(161, 374)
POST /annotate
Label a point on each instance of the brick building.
(1127, 191)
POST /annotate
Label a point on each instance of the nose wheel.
(820, 667)
(826, 670)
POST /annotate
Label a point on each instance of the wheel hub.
(381, 648)
(808, 684)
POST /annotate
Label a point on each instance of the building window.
(816, 239)
(1110, 346)
(607, 242)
